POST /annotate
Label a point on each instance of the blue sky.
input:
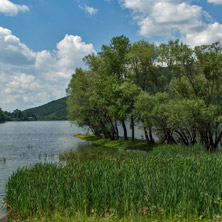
(43, 41)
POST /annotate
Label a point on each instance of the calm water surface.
(26, 143)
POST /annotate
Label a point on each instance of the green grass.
(169, 183)
(135, 144)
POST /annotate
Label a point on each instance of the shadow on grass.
(130, 144)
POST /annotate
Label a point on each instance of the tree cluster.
(2, 116)
(18, 115)
(171, 90)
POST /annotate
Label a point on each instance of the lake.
(26, 143)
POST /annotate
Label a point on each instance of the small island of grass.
(134, 144)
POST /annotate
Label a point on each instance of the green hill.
(55, 110)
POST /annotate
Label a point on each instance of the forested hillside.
(55, 110)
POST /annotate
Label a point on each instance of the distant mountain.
(55, 110)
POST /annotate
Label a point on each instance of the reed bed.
(163, 183)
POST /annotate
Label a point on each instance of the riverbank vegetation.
(2, 116)
(168, 183)
(18, 115)
(135, 144)
(171, 90)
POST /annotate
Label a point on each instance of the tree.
(198, 77)
(114, 56)
(113, 66)
(127, 92)
(152, 111)
(146, 71)
(2, 116)
(86, 103)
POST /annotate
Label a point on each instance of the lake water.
(25, 143)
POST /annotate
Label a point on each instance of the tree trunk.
(132, 127)
(113, 128)
(105, 132)
(151, 136)
(146, 136)
(124, 130)
(117, 131)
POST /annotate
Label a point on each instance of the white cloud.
(28, 78)
(63, 61)
(212, 33)
(22, 88)
(11, 9)
(164, 18)
(216, 2)
(88, 9)
(12, 51)
(169, 19)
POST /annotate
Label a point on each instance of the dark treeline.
(18, 115)
(2, 116)
(170, 89)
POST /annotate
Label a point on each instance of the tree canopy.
(170, 90)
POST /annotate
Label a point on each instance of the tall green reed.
(167, 181)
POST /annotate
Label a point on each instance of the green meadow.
(166, 183)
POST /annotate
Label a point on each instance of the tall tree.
(115, 60)
(198, 76)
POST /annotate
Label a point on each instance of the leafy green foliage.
(171, 89)
(100, 97)
(18, 115)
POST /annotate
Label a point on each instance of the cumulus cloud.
(12, 51)
(10, 9)
(68, 55)
(88, 9)
(178, 17)
(28, 78)
(22, 88)
(172, 19)
(212, 33)
(216, 2)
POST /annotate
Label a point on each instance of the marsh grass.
(169, 183)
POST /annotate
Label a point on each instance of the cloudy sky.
(43, 41)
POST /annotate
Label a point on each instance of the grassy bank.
(135, 144)
(169, 183)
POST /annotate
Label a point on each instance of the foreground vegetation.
(168, 183)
